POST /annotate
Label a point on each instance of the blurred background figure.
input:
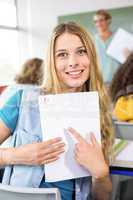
(102, 20)
(121, 91)
(30, 75)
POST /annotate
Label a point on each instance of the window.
(8, 13)
(9, 50)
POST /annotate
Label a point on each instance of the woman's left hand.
(90, 155)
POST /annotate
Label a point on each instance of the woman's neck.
(70, 90)
(104, 35)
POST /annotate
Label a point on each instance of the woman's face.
(101, 23)
(72, 62)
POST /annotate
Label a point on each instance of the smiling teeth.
(75, 73)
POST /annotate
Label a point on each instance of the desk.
(124, 131)
(121, 171)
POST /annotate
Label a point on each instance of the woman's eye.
(62, 55)
(82, 52)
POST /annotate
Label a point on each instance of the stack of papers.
(122, 40)
(123, 150)
(59, 112)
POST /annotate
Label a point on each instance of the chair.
(22, 193)
(123, 130)
(121, 186)
(1, 173)
(126, 190)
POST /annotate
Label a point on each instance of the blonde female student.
(72, 66)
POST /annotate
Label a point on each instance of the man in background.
(102, 20)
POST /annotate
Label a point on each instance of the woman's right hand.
(35, 153)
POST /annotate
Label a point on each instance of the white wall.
(25, 34)
(38, 17)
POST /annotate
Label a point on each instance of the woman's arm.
(4, 132)
(32, 154)
(101, 188)
(90, 156)
(29, 154)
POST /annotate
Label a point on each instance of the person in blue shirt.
(103, 38)
(72, 66)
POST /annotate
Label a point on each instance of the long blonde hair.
(95, 81)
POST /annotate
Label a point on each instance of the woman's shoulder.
(10, 96)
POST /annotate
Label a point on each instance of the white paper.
(124, 158)
(121, 40)
(58, 112)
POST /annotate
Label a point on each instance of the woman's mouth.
(75, 74)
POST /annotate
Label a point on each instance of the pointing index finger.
(76, 135)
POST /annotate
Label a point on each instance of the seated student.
(31, 74)
(121, 90)
(72, 66)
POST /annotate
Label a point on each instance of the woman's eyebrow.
(63, 50)
(60, 50)
(81, 47)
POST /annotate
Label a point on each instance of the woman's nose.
(73, 61)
